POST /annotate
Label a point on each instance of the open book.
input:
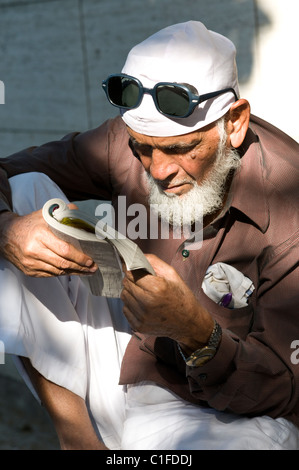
(102, 243)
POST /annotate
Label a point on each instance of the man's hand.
(163, 305)
(28, 243)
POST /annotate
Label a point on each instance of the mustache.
(168, 182)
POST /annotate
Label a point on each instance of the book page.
(101, 242)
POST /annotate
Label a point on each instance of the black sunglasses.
(171, 99)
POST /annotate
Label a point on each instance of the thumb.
(163, 269)
(71, 205)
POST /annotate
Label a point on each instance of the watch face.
(201, 356)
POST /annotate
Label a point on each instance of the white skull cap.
(183, 53)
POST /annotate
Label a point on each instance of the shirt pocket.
(238, 320)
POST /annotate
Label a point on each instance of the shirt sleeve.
(78, 163)
(5, 196)
(258, 374)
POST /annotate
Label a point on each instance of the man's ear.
(238, 122)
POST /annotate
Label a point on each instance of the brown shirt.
(254, 371)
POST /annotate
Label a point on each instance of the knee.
(30, 191)
(27, 180)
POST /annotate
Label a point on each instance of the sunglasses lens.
(123, 92)
(172, 100)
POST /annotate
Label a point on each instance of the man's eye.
(144, 150)
(179, 150)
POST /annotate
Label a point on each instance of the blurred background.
(54, 55)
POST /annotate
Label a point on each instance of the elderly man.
(201, 355)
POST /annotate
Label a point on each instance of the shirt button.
(185, 253)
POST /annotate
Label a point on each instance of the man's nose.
(162, 166)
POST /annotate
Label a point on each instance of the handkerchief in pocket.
(223, 281)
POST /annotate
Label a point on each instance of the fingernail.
(94, 268)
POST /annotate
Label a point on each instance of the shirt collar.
(248, 186)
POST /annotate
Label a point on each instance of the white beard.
(201, 200)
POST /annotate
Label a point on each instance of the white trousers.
(78, 340)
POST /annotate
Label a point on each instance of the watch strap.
(203, 355)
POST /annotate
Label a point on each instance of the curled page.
(102, 243)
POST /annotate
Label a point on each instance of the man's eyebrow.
(135, 143)
(181, 145)
(167, 148)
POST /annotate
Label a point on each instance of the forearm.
(78, 164)
(245, 378)
(55, 159)
(68, 413)
(6, 219)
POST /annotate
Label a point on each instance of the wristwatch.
(201, 356)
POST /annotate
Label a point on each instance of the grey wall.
(55, 53)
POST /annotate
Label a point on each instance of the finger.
(47, 270)
(71, 205)
(132, 295)
(138, 288)
(136, 275)
(65, 255)
(138, 300)
(134, 324)
(41, 256)
(42, 236)
(163, 269)
(131, 310)
(60, 265)
(49, 264)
